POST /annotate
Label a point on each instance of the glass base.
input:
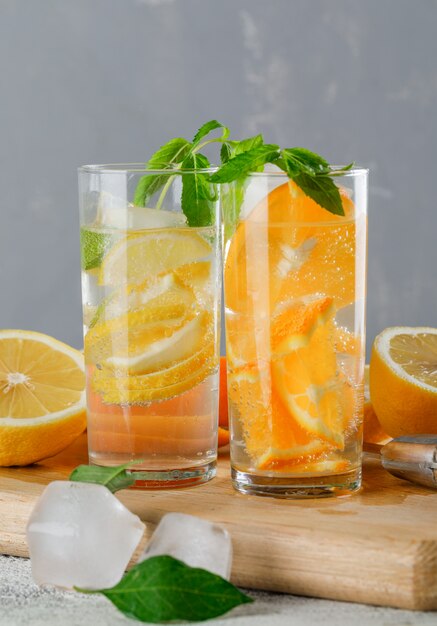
(297, 487)
(174, 478)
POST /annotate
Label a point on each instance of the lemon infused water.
(151, 290)
(294, 281)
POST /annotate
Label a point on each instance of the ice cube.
(80, 534)
(143, 217)
(194, 541)
(115, 212)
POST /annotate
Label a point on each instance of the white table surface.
(22, 603)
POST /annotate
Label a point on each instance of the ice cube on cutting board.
(80, 534)
(195, 541)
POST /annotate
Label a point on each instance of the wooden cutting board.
(376, 547)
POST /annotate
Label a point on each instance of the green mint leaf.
(114, 478)
(322, 190)
(93, 246)
(225, 152)
(163, 589)
(207, 128)
(248, 144)
(173, 152)
(199, 195)
(147, 186)
(313, 175)
(244, 145)
(245, 163)
(306, 161)
(232, 148)
(342, 170)
(348, 167)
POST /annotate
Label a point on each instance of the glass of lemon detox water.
(151, 284)
(294, 281)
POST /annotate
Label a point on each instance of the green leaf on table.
(163, 589)
(114, 478)
(245, 163)
(171, 153)
(199, 195)
(208, 127)
(93, 245)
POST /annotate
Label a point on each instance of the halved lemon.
(403, 380)
(140, 255)
(42, 396)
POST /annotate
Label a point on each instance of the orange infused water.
(294, 282)
(151, 299)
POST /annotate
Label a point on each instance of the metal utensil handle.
(412, 458)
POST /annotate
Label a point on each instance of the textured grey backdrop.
(109, 80)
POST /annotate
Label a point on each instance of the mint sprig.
(163, 589)
(114, 478)
(311, 172)
(307, 169)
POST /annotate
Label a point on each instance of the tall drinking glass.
(295, 283)
(151, 284)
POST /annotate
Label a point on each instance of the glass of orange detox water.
(294, 281)
(151, 284)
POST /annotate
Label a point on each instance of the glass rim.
(334, 170)
(140, 168)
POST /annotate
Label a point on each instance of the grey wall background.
(95, 81)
